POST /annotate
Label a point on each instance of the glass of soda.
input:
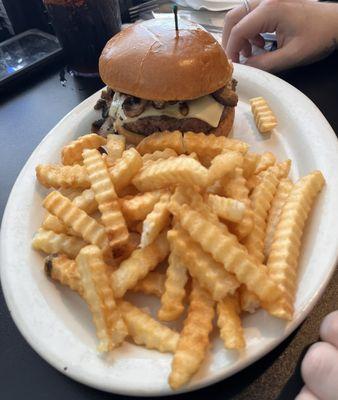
(83, 27)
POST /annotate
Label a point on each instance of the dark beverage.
(83, 27)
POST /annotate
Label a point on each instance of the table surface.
(27, 113)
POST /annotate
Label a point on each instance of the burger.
(160, 79)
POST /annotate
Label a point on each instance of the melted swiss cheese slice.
(205, 108)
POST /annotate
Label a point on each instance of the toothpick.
(176, 17)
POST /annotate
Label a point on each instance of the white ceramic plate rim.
(216, 6)
(47, 353)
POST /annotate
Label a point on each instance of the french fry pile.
(227, 222)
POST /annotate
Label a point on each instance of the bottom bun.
(223, 129)
(131, 137)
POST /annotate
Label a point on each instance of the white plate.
(56, 322)
(213, 5)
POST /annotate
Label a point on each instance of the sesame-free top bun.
(149, 60)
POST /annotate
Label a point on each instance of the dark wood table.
(27, 113)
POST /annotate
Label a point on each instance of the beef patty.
(148, 125)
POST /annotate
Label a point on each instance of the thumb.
(320, 370)
(273, 61)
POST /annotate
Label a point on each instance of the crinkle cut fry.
(62, 176)
(116, 145)
(223, 164)
(200, 263)
(282, 193)
(106, 197)
(187, 195)
(125, 168)
(217, 187)
(72, 152)
(226, 208)
(261, 199)
(255, 179)
(51, 242)
(267, 160)
(250, 163)
(137, 266)
(236, 189)
(161, 141)
(284, 169)
(253, 182)
(211, 145)
(144, 330)
(53, 223)
(210, 274)
(138, 207)
(172, 300)
(153, 284)
(72, 193)
(249, 301)
(283, 259)
(158, 155)
(86, 201)
(264, 117)
(229, 323)
(155, 221)
(77, 219)
(194, 339)
(163, 173)
(110, 327)
(227, 252)
(64, 270)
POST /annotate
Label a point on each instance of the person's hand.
(306, 31)
(320, 364)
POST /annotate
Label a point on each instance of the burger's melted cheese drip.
(205, 108)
